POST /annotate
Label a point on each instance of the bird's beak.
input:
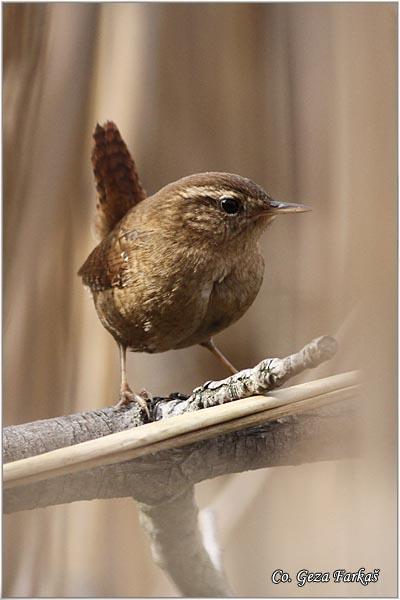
(276, 207)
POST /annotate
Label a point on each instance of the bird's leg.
(126, 395)
(209, 344)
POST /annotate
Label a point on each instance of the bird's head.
(220, 207)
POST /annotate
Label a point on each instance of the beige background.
(301, 98)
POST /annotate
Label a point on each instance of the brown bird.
(175, 268)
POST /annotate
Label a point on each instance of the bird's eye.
(230, 205)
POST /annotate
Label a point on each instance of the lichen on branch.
(269, 374)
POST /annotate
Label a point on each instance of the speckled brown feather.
(104, 267)
(117, 182)
(107, 266)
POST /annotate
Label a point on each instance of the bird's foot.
(127, 397)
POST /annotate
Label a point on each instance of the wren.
(173, 269)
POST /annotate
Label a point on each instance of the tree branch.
(323, 434)
(162, 521)
(124, 445)
(258, 436)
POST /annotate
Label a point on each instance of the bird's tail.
(117, 181)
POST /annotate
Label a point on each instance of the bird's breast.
(177, 304)
(233, 290)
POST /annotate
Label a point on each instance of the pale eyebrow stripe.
(207, 191)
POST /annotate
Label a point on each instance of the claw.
(127, 396)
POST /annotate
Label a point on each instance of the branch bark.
(162, 521)
(323, 434)
(267, 375)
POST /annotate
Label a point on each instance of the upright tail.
(117, 181)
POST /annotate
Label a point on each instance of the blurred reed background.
(302, 99)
